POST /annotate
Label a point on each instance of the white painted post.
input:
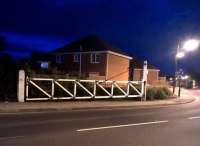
(95, 89)
(75, 89)
(21, 86)
(52, 89)
(128, 89)
(112, 89)
(144, 80)
(27, 86)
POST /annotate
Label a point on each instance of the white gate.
(127, 89)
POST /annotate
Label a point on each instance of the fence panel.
(81, 89)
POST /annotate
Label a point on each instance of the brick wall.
(111, 67)
(137, 74)
(69, 66)
(94, 68)
(117, 67)
(152, 77)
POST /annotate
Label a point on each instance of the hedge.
(158, 93)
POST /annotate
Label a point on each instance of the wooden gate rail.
(125, 93)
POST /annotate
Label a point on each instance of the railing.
(126, 89)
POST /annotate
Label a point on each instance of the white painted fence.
(123, 86)
(101, 84)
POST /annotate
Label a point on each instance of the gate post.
(21, 86)
(144, 80)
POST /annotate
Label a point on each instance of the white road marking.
(193, 118)
(11, 137)
(119, 126)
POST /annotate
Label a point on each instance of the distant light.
(180, 55)
(185, 77)
(191, 45)
(44, 65)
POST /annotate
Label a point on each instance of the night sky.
(149, 29)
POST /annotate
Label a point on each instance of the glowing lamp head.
(180, 55)
(191, 45)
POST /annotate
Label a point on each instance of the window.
(44, 65)
(58, 59)
(77, 57)
(95, 58)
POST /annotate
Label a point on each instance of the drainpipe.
(80, 62)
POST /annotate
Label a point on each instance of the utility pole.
(176, 67)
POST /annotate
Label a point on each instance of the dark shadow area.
(8, 78)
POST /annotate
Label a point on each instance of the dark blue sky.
(149, 29)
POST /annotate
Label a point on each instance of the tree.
(2, 43)
(8, 74)
(8, 78)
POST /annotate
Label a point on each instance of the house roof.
(137, 63)
(88, 44)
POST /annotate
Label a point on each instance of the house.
(93, 58)
(153, 77)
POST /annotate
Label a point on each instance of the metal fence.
(91, 87)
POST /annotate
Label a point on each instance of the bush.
(151, 93)
(160, 94)
(167, 91)
(157, 93)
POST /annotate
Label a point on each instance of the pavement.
(176, 125)
(12, 107)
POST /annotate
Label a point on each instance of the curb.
(41, 110)
(137, 106)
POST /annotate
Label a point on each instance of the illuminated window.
(76, 57)
(95, 58)
(44, 65)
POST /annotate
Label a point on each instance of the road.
(176, 125)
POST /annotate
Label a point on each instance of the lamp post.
(179, 55)
(188, 46)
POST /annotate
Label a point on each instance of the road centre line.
(120, 126)
(193, 118)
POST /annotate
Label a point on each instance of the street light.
(191, 45)
(179, 54)
(188, 46)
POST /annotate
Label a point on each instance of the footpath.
(187, 96)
